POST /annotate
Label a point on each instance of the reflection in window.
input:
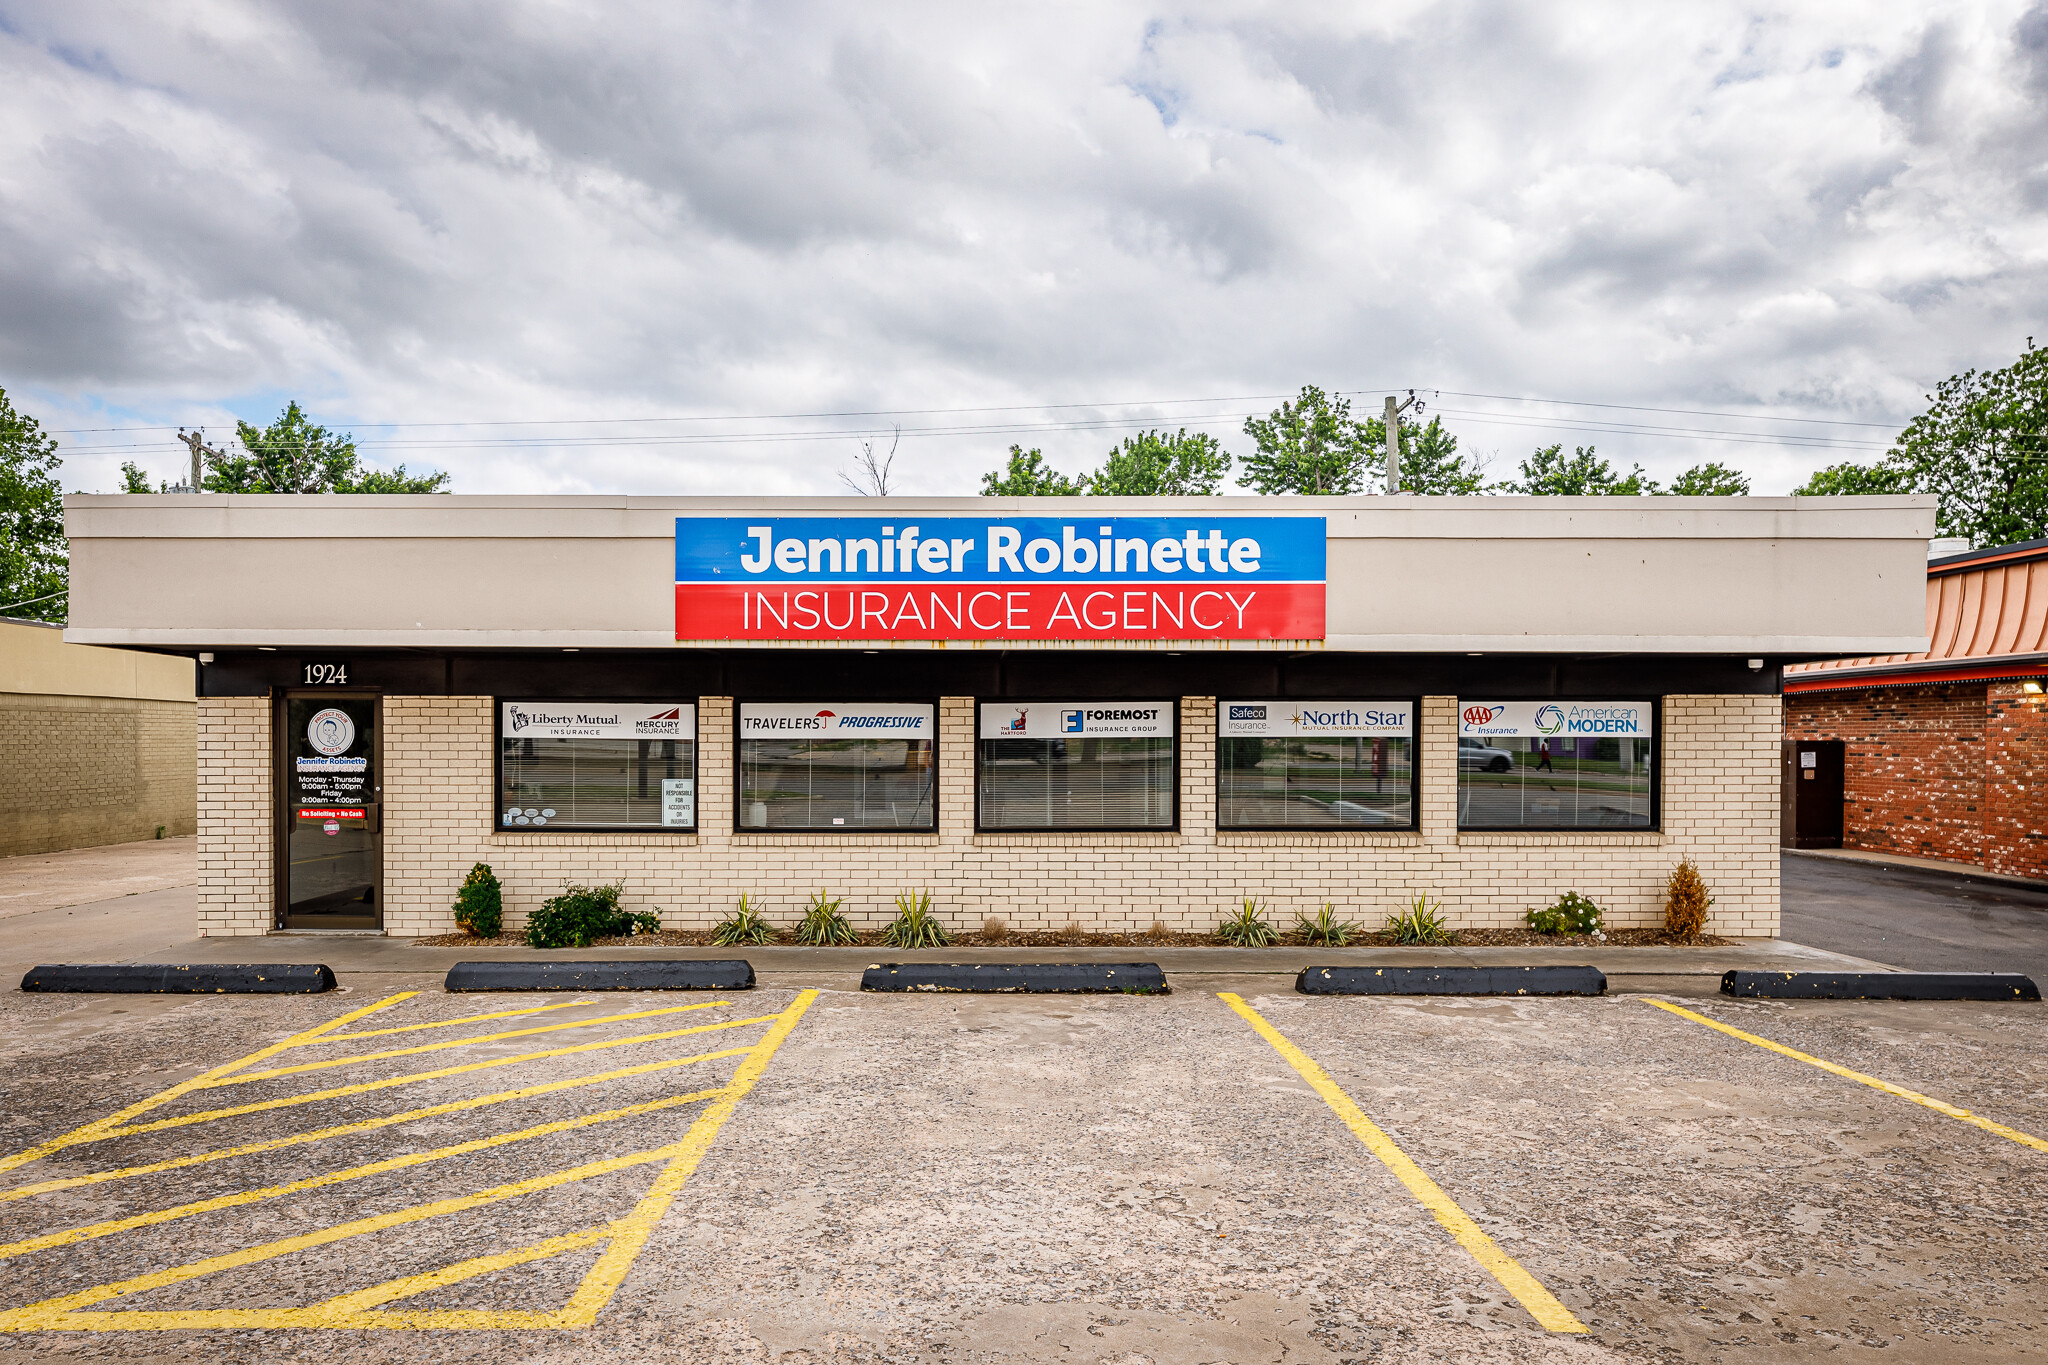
(1554, 782)
(583, 783)
(1078, 783)
(805, 782)
(1314, 783)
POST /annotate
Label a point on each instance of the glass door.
(332, 839)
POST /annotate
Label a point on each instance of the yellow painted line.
(101, 1127)
(627, 1237)
(1938, 1106)
(413, 1078)
(244, 1077)
(363, 1126)
(89, 1231)
(447, 1023)
(1541, 1303)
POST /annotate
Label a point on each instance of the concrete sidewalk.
(83, 876)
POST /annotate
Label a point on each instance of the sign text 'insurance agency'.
(975, 578)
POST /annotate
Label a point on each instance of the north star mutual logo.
(1549, 720)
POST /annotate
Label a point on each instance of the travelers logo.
(1549, 720)
(331, 732)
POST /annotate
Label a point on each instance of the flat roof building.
(1110, 712)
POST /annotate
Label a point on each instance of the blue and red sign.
(1016, 578)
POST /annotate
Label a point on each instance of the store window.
(1556, 765)
(582, 765)
(1076, 765)
(836, 766)
(1315, 765)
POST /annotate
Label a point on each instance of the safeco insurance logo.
(1484, 715)
(1549, 720)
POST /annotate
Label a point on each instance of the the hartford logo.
(1482, 715)
(1016, 725)
(1247, 713)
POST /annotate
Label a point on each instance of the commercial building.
(95, 744)
(1099, 711)
(1940, 752)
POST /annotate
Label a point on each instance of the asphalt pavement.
(1915, 918)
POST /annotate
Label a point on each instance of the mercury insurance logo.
(669, 722)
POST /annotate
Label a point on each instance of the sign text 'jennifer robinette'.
(1176, 577)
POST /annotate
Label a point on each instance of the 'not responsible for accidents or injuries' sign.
(1000, 578)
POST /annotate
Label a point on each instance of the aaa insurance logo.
(1483, 715)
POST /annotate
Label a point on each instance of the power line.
(1686, 412)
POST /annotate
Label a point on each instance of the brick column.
(714, 770)
(954, 753)
(1198, 770)
(2015, 780)
(1438, 816)
(235, 833)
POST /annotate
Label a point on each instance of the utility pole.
(196, 439)
(1394, 412)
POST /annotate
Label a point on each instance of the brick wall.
(1915, 766)
(236, 846)
(77, 771)
(2015, 781)
(1719, 808)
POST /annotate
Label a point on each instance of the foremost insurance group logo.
(1196, 577)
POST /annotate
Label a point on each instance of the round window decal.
(331, 732)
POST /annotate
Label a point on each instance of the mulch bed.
(1460, 938)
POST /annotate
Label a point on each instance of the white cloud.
(467, 212)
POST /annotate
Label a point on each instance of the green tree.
(292, 455)
(1309, 445)
(1709, 480)
(1430, 462)
(133, 480)
(1982, 448)
(1851, 478)
(1154, 464)
(34, 556)
(1550, 472)
(1029, 476)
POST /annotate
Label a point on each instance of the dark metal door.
(1813, 790)
(331, 839)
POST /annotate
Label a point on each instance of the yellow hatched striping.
(102, 1127)
(447, 1023)
(624, 1239)
(1541, 1304)
(1938, 1106)
(414, 1078)
(244, 1077)
(362, 1126)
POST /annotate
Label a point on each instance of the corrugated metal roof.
(1985, 610)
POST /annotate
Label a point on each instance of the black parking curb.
(1879, 985)
(1027, 978)
(672, 974)
(1451, 981)
(198, 978)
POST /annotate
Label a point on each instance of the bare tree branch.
(870, 476)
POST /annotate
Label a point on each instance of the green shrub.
(1326, 928)
(1422, 922)
(480, 904)
(822, 925)
(1573, 914)
(1248, 927)
(745, 925)
(583, 914)
(915, 926)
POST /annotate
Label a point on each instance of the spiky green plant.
(1326, 928)
(1248, 927)
(822, 925)
(1421, 922)
(915, 926)
(744, 925)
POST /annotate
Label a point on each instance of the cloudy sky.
(710, 248)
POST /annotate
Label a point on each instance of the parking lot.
(1229, 1173)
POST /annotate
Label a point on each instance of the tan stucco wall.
(1720, 808)
(97, 746)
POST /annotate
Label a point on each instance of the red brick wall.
(2016, 781)
(1915, 779)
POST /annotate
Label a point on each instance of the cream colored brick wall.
(1720, 807)
(81, 771)
(235, 832)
